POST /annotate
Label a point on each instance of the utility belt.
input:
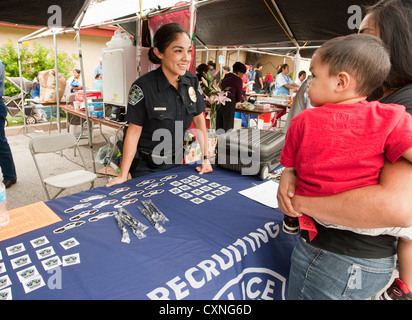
(154, 160)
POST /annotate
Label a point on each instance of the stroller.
(33, 112)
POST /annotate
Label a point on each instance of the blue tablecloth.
(226, 247)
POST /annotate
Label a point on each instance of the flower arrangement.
(214, 96)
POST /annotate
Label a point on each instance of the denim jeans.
(316, 274)
(6, 159)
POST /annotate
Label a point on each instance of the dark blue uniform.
(165, 114)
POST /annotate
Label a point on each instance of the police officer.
(162, 105)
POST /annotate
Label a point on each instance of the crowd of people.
(347, 160)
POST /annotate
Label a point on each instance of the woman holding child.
(359, 266)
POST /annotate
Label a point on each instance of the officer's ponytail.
(153, 58)
(164, 36)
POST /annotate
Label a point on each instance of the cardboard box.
(96, 114)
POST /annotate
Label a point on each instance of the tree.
(33, 60)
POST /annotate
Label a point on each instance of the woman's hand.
(286, 192)
(117, 180)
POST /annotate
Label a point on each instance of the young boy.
(342, 143)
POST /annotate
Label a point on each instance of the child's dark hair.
(164, 36)
(362, 56)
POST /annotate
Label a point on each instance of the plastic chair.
(55, 143)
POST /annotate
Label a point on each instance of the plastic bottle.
(4, 214)
(115, 167)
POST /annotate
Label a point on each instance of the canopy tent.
(37, 13)
(287, 26)
(283, 26)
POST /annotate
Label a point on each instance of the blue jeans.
(6, 159)
(316, 274)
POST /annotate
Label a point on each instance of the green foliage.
(33, 59)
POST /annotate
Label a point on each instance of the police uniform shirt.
(155, 104)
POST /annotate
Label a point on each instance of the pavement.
(28, 188)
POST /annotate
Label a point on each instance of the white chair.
(54, 143)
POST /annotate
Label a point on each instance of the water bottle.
(115, 167)
(4, 214)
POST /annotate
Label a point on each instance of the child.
(342, 143)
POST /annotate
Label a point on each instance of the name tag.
(159, 108)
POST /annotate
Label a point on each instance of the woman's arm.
(387, 204)
(129, 150)
(200, 125)
(291, 86)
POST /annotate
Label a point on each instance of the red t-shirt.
(338, 147)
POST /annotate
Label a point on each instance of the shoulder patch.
(135, 95)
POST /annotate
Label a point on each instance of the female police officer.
(162, 105)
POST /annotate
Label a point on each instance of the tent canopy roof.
(250, 23)
(257, 23)
(231, 23)
(38, 13)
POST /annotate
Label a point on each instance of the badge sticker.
(192, 94)
(135, 95)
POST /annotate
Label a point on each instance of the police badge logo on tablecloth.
(135, 95)
(192, 94)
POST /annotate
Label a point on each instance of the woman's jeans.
(316, 274)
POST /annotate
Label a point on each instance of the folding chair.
(55, 143)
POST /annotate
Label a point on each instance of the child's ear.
(343, 81)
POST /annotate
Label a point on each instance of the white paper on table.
(264, 193)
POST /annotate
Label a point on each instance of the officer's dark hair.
(164, 36)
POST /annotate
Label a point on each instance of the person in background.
(98, 69)
(164, 101)
(74, 83)
(221, 75)
(232, 83)
(268, 83)
(301, 78)
(202, 71)
(7, 166)
(283, 83)
(212, 69)
(258, 85)
(250, 75)
(98, 82)
(35, 91)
